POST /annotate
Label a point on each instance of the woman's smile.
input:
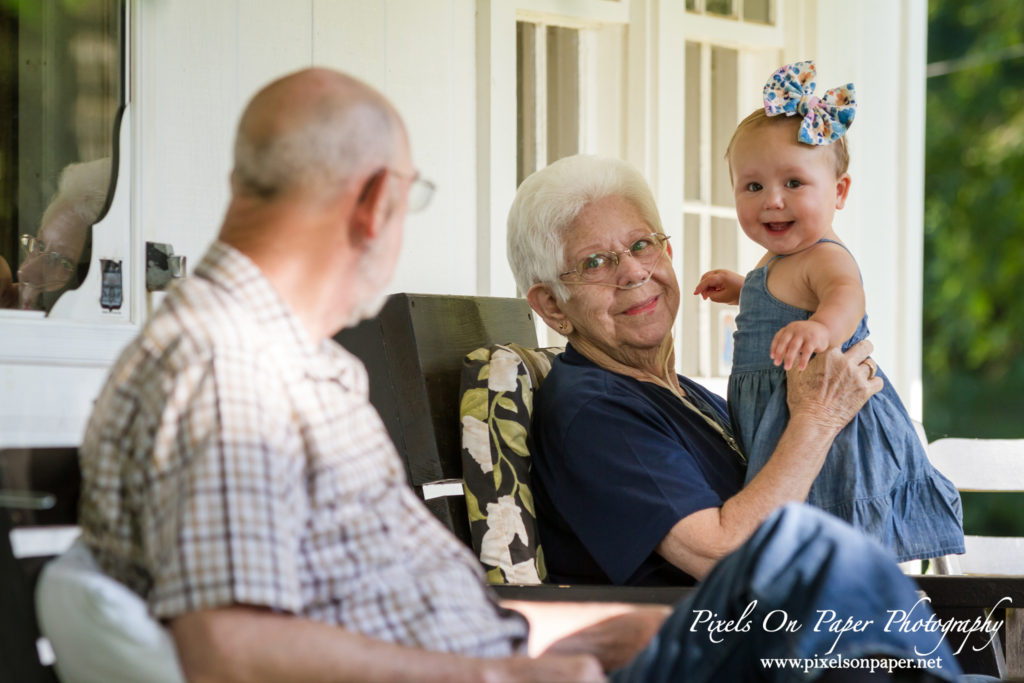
(645, 306)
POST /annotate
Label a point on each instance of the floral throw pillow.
(497, 400)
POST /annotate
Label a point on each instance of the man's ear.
(368, 213)
(543, 301)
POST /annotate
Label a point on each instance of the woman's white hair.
(548, 202)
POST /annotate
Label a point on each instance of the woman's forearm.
(822, 400)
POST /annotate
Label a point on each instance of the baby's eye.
(793, 183)
(753, 187)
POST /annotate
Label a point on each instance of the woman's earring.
(563, 327)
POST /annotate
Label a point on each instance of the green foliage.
(974, 238)
(974, 233)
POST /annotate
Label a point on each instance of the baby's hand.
(721, 286)
(794, 343)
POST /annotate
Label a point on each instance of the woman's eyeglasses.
(600, 267)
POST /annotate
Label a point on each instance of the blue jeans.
(807, 587)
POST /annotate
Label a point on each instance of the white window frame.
(758, 47)
(496, 115)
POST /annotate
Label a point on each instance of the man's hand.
(721, 286)
(616, 640)
(834, 387)
(796, 342)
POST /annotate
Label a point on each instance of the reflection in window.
(60, 94)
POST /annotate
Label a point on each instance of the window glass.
(547, 95)
(724, 76)
(692, 173)
(759, 11)
(722, 7)
(60, 96)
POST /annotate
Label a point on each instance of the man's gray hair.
(82, 189)
(336, 142)
(548, 202)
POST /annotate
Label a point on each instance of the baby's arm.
(831, 274)
(721, 286)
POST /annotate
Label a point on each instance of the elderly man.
(235, 475)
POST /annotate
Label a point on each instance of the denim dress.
(877, 475)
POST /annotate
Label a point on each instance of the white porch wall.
(881, 46)
(195, 64)
(199, 62)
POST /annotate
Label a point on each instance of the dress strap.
(828, 239)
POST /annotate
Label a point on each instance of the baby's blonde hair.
(758, 118)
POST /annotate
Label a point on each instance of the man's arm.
(822, 400)
(251, 644)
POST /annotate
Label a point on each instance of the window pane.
(689, 332)
(758, 10)
(60, 91)
(691, 5)
(724, 246)
(692, 94)
(723, 7)
(563, 92)
(526, 100)
(724, 76)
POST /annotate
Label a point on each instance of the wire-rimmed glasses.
(33, 246)
(600, 267)
(421, 190)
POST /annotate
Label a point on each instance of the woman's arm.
(822, 400)
(832, 277)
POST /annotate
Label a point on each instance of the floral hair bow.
(790, 90)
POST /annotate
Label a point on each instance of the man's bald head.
(313, 130)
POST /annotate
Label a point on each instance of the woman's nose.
(630, 271)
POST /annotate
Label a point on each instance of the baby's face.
(786, 192)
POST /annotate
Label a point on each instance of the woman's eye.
(793, 183)
(594, 261)
(640, 245)
(753, 187)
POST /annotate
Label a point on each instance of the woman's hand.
(721, 286)
(834, 387)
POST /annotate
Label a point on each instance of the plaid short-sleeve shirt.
(231, 460)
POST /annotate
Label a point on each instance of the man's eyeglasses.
(600, 267)
(31, 246)
(421, 190)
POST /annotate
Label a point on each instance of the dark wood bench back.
(413, 352)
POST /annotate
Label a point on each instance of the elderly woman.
(637, 477)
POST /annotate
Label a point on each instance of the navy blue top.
(617, 462)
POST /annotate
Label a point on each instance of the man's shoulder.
(198, 320)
